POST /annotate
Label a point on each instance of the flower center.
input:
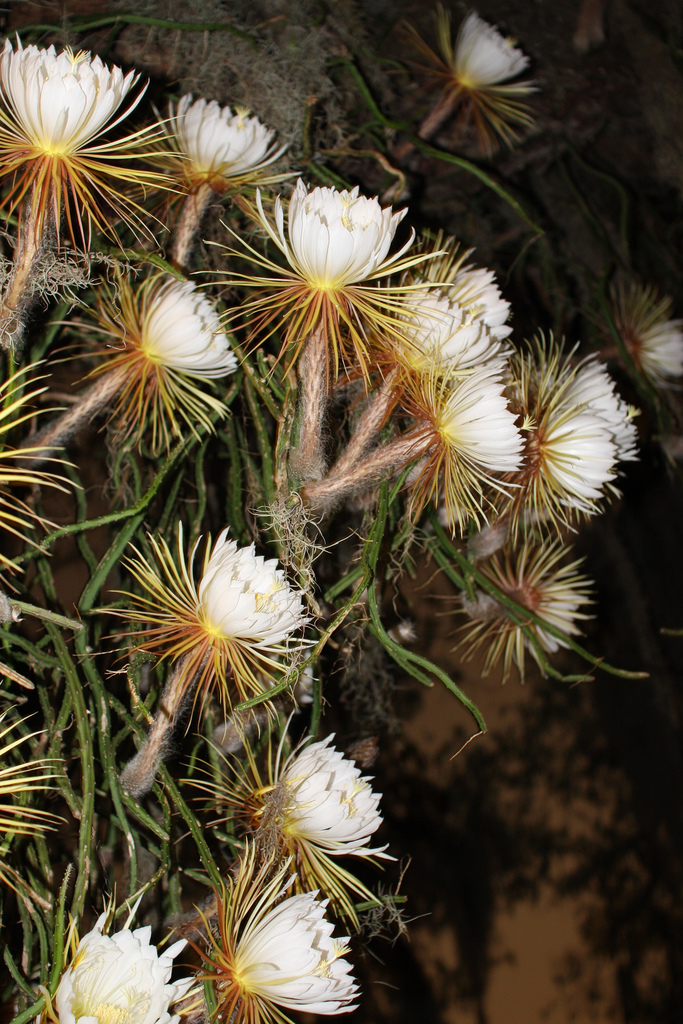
(135, 1009)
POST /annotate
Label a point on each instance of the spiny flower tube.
(472, 72)
(119, 979)
(53, 106)
(535, 578)
(336, 244)
(161, 338)
(271, 954)
(220, 148)
(314, 807)
(653, 340)
(467, 431)
(572, 442)
(234, 629)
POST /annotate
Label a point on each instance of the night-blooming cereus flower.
(160, 339)
(119, 978)
(315, 807)
(233, 629)
(536, 579)
(475, 289)
(336, 244)
(441, 334)
(470, 288)
(471, 73)
(53, 109)
(271, 954)
(220, 149)
(465, 431)
(593, 387)
(653, 340)
(572, 441)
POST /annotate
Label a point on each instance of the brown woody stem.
(193, 210)
(307, 459)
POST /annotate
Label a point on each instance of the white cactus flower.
(580, 455)
(337, 246)
(465, 431)
(335, 238)
(643, 319)
(483, 56)
(442, 334)
(271, 954)
(54, 108)
(290, 958)
(576, 430)
(61, 101)
(234, 630)
(159, 339)
(535, 577)
(476, 424)
(593, 388)
(121, 978)
(244, 596)
(476, 290)
(317, 808)
(328, 803)
(220, 145)
(181, 329)
(660, 351)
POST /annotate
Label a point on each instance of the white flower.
(576, 429)
(593, 388)
(243, 596)
(483, 56)
(659, 351)
(535, 578)
(442, 333)
(335, 238)
(476, 424)
(61, 101)
(579, 455)
(288, 957)
(119, 979)
(270, 953)
(233, 630)
(475, 289)
(54, 108)
(220, 144)
(328, 802)
(180, 329)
